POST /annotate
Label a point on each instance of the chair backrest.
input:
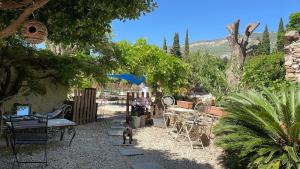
(202, 109)
(60, 112)
(167, 101)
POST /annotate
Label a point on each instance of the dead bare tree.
(238, 47)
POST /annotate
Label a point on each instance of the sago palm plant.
(262, 129)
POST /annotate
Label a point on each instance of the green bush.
(264, 70)
(161, 69)
(209, 71)
(294, 22)
(261, 129)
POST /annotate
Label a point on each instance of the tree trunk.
(238, 51)
(60, 49)
(236, 63)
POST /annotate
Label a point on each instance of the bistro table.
(186, 118)
(53, 124)
(181, 110)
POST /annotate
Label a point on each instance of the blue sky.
(205, 19)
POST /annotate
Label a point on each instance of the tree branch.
(8, 4)
(13, 90)
(12, 28)
(4, 86)
(248, 31)
(234, 30)
(50, 75)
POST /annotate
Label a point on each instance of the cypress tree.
(265, 43)
(280, 37)
(165, 48)
(186, 44)
(258, 49)
(176, 46)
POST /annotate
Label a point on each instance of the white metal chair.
(168, 101)
(187, 123)
(204, 122)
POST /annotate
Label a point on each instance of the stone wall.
(292, 56)
(56, 95)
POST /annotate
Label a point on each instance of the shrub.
(209, 71)
(261, 129)
(294, 22)
(264, 70)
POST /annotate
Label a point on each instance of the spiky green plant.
(262, 129)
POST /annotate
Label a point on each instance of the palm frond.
(262, 128)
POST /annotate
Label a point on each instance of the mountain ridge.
(220, 46)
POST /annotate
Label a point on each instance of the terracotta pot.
(216, 111)
(185, 104)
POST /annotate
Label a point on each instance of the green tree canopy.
(80, 22)
(280, 37)
(176, 46)
(294, 23)
(23, 68)
(264, 70)
(160, 68)
(208, 71)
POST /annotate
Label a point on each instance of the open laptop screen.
(23, 110)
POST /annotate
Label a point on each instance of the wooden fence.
(135, 95)
(85, 106)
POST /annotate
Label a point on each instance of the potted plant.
(185, 102)
(135, 123)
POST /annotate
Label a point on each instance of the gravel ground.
(92, 149)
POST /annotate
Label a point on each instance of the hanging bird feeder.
(34, 32)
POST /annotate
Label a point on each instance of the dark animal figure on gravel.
(127, 133)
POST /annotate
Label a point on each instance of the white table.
(60, 124)
(181, 110)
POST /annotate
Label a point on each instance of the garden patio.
(77, 80)
(93, 148)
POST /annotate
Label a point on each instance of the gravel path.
(92, 149)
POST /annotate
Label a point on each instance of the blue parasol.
(130, 78)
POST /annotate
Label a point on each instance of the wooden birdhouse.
(34, 32)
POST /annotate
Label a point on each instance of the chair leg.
(74, 133)
(188, 136)
(14, 150)
(165, 121)
(174, 126)
(6, 138)
(179, 131)
(62, 133)
(45, 155)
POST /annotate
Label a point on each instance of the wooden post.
(127, 103)
(81, 106)
(75, 108)
(94, 106)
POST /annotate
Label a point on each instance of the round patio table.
(181, 110)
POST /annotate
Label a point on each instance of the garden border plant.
(262, 129)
